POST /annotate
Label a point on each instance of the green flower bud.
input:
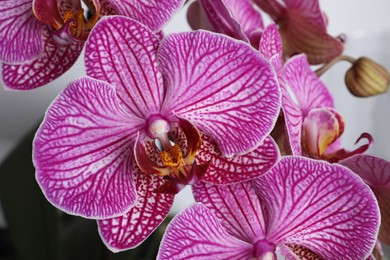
(367, 78)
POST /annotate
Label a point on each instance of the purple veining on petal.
(322, 207)
(54, 61)
(303, 91)
(131, 229)
(20, 32)
(197, 233)
(239, 168)
(376, 173)
(122, 51)
(222, 86)
(310, 9)
(236, 206)
(153, 13)
(271, 42)
(83, 151)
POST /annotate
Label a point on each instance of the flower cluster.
(233, 108)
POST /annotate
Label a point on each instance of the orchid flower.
(118, 145)
(302, 26)
(376, 173)
(313, 125)
(300, 209)
(42, 39)
(237, 19)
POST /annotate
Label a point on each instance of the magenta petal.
(153, 13)
(20, 32)
(122, 51)
(271, 42)
(196, 233)
(83, 151)
(320, 206)
(308, 8)
(131, 229)
(238, 168)
(54, 61)
(302, 92)
(376, 173)
(236, 206)
(222, 86)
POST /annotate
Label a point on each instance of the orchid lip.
(262, 249)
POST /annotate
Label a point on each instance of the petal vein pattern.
(323, 207)
(123, 54)
(141, 10)
(222, 86)
(131, 229)
(196, 233)
(83, 151)
(20, 32)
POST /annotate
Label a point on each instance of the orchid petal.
(297, 252)
(234, 100)
(319, 206)
(271, 42)
(153, 13)
(131, 229)
(20, 32)
(122, 52)
(301, 92)
(54, 61)
(67, 5)
(83, 151)
(197, 18)
(222, 19)
(302, 35)
(376, 173)
(196, 233)
(274, 8)
(236, 206)
(239, 168)
(310, 9)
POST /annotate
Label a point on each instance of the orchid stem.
(328, 65)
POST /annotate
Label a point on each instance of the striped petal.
(122, 51)
(236, 206)
(271, 42)
(319, 206)
(54, 61)
(20, 32)
(196, 233)
(238, 168)
(222, 86)
(131, 229)
(153, 13)
(301, 92)
(83, 151)
(376, 173)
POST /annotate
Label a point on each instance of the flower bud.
(367, 78)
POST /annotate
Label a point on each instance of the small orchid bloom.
(302, 26)
(118, 146)
(237, 19)
(300, 209)
(313, 125)
(376, 173)
(42, 39)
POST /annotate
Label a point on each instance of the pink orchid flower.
(300, 209)
(96, 154)
(237, 19)
(42, 39)
(313, 125)
(302, 26)
(376, 173)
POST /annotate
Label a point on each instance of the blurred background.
(367, 27)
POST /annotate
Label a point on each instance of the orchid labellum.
(118, 145)
(42, 39)
(300, 209)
